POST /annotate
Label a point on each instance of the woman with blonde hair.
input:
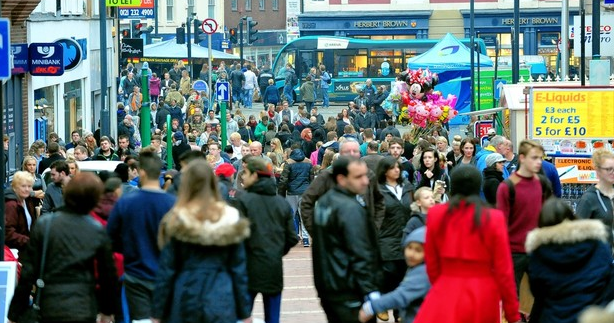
(277, 149)
(73, 167)
(596, 201)
(20, 213)
(39, 186)
(90, 143)
(203, 258)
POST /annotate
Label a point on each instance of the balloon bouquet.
(421, 106)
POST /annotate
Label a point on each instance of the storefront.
(396, 25)
(540, 31)
(68, 102)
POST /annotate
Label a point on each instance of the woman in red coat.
(468, 258)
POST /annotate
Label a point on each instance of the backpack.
(294, 79)
(543, 180)
(329, 80)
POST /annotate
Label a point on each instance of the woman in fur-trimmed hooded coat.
(202, 275)
(570, 268)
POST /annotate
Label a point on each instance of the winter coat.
(123, 129)
(260, 131)
(185, 85)
(154, 86)
(340, 127)
(389, 130)
(416, 220)
(178, 149)
(363, 121)
(395, 219)
(246, 134)
(324, 182)
(408, 296)
(100, 156)
(176, 113)
(271, 95)
(570, 268)
(17, 233)
(492, 179)
(53, 199)
(591, 207)
(318, 133)
(163, 111)
(272, 235)
(346, 265)
(78, 247)
(203, 263)
(296, 176)
(285, 138)
(470, 268)
(46, 162)
(101, 214)
(372, 160)
(308, 92)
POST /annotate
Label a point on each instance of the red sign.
(481, 129)
(147, 4)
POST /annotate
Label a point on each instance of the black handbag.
(32, 314)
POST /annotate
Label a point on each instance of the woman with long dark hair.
(202, 275)
(397, 194)
(468, 258)
(431, 174)
(468, 150)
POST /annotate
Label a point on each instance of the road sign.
(123, 3)
(486, 85)
(200, 86)
(499, 83)
(222, 90)
(5, 48)
(46, 59)
(209, 26)
(480, 129)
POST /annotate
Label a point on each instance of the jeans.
(248, 95)
(288, 89)
(308, 105)
(237, 96)
(139, 293)
(295, 201)
(521, 264)
(272, 306)
(325, 102)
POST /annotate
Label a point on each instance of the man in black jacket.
(54, 155)
(345, 264)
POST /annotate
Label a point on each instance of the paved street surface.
(299, 302)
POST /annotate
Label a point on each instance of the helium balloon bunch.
(421, 106)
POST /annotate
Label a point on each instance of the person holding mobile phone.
(432, 175)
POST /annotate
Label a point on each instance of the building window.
(190, 6)
(261, 5)
(248, 5)
(73, 108)
(275, 5)
(169, 10)
(44, 112)
(234, 5)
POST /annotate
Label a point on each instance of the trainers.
(306, 242)
(383, 316)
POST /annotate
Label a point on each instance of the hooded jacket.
(308, 92)
(296, 176)
(204, 262)
(17, 234)
(595, 205)
(411, 292)
(154, 86)
(492, 179)
(570, 268)
(272, 234)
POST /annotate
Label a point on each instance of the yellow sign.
(575, 170)
(572, 113)
(123, 3)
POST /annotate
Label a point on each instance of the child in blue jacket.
(409, 295)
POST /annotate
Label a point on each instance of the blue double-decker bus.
(351, 61)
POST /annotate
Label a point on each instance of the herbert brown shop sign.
(383, 24)
(532, 21)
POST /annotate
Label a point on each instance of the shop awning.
(170, 49)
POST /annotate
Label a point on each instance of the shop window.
(73, 107)
(44, 116)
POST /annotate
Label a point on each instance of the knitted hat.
(178, 135)
(226, 170)
(494, 158)
(418, 235)
(260, 166)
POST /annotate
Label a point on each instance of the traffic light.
(251, 30)
(199, 35)
(233, 35)
(135, 28)
(180, 34)
(126, 33)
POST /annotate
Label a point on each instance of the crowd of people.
(436, 231)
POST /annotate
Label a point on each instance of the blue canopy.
(448, 54)
(451, 60)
